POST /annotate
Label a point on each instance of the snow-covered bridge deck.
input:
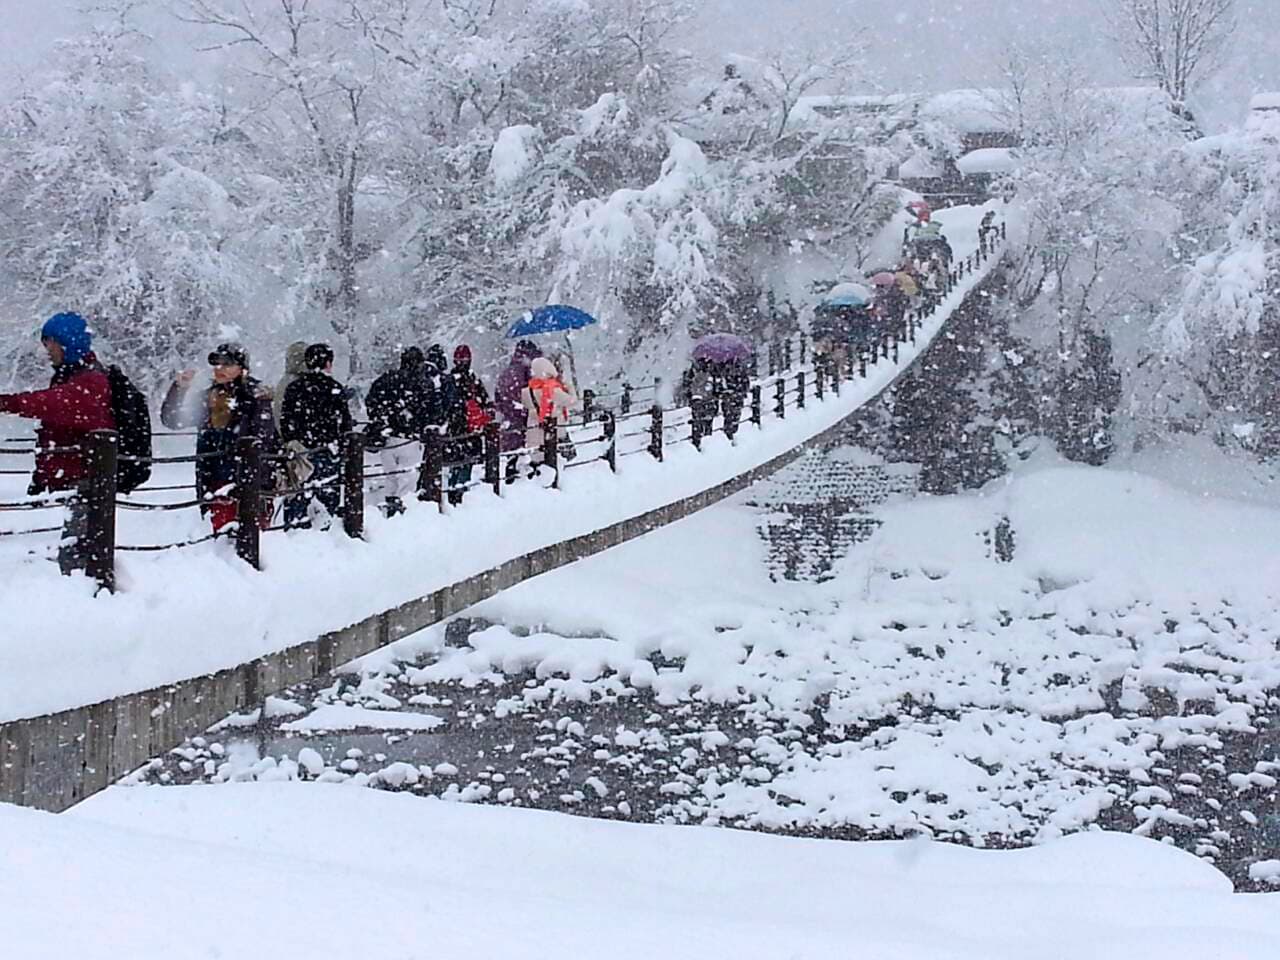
(93, 686)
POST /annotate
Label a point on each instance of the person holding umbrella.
(513, 416)
(512, 413)
(718, 380)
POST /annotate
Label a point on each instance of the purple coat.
(512, 416)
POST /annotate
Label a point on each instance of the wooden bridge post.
(780, 398)
(551, 450)
(97, 545)
(353, 483)
(655, 431)
(588, 405)
(800, 390)
(757, 411)
(786, 354)
(493, 457)
(773, 358)
(430, 487)
(248, 498)
(626, 398)
(819, 376)
(804, 346)
(611, 437)
(695, 425)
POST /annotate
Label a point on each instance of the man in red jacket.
(77, 401)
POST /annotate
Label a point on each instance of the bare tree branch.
(1172, 43)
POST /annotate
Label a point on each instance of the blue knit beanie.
(70, 331)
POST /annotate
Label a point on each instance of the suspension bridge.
(95, 687)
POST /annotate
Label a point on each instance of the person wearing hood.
(76, 402)
(295, 365)
(513, 418)
(316, 418)
(469, 414)
(232, 408)
(448, 403)
(546, 400)
(401, 403)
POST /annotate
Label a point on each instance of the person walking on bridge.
(400, 404)
(546, 400)
(233, 407)
(468, 416)
(295, 365)
(513, 417)
(76, 402)
(315, 417)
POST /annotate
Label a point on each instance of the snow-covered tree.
(1172, 43)
(1091, 271)
(110, 206)
(1224, 329)
(322, 80)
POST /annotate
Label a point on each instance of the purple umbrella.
(721, 347)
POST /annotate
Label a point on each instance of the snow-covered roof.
(967, 111)
(921, 166)
(866, 106)
(988, 160)
(1265, 101)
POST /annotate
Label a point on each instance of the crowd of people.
(916, 283)
(301, 425)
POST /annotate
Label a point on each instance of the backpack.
(477, 417)
(133, 426)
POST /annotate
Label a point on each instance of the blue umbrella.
(553, 318)
(847, 295)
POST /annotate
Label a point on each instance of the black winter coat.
(401, 403)
(315, 411)
(465, 385)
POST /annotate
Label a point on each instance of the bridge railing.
(792, 371)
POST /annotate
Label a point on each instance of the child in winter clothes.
(547, 400)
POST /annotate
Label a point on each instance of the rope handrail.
(35, 504)
(182, 505)
(307, 487)
(390, 473)
(27, 533)
(180, 545)
(582, 463)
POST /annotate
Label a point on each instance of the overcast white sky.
(918, 44)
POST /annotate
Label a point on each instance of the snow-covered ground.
(1121, 669)
(188, 613)
(287, 871)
